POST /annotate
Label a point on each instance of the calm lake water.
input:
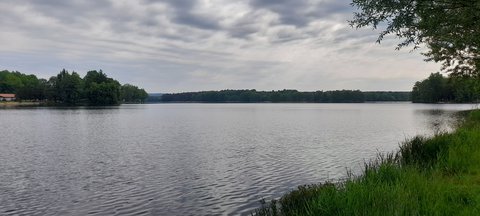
(191, 159)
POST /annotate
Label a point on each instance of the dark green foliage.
(387, 96)
(106, 93)
(449, 28)
(101, 90)
(10, 81)
(432, 90)
(437, 88)
(26, 87)
(291, 96)
(465, 89)
(428, 176)
(96, 88)
(66, 88)
(133, 94)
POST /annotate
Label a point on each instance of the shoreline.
(435, 175)
(22, 103)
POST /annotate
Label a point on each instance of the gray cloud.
(301, 12)
(290, 12)
(184, 13)
(182, 45)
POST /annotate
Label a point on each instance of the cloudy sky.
(190, 45)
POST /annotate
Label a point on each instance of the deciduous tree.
(449, 28)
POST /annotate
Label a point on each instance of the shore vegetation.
(438, 175)
(66, 88)
(452, 89)
(284, 96)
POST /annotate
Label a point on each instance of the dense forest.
(439, 89)
(292, 96)
(96, 88)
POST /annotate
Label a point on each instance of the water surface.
(191, 159)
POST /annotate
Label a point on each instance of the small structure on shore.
(7, 97)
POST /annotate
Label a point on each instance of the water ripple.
(188, 159)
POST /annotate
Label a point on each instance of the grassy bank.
(17, 103)
(428, 176)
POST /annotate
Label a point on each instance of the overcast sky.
(190, 45)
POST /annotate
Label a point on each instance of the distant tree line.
(96, 88)
(388, 96)
(293, 96)
(437, 89)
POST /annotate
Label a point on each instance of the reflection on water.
(191, 159)
(441, 121)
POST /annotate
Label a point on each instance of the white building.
(7, 97)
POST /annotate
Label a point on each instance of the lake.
(191, 159)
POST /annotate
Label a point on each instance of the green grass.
(428, 176)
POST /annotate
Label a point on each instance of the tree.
(100, 89)
(9, 82)
(465, 89)
(30, 89)
(95, 77)
(434, 89)
(252, 96)
(437, 88)
(26, 87)
(96, 88)
(106, 93)
(132, 94)
(66, 88)
(449, 28)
